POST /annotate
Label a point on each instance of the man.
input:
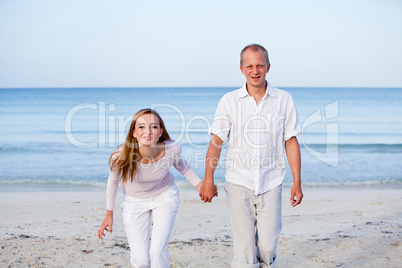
(256, 121)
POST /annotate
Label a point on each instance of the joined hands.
(207, 191)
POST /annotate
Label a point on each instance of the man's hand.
(296, 195)
(208, 191)
(199, 186)
(293, 153)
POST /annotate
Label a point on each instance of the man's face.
(254, 68)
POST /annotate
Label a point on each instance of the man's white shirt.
(255, 134)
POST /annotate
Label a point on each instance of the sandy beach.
(334, 227)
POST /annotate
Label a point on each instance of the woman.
(142, 165)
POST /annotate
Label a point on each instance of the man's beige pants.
(256, 224)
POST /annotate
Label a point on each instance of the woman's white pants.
(137, 213)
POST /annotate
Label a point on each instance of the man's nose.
(256, 70)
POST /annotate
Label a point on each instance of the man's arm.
(293, 154)
(208, 189)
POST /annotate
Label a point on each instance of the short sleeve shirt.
(255, 134)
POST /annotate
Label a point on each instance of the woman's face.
(147, 130)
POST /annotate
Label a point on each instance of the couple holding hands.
(259, 123)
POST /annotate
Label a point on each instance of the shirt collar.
(244, 93)
(271, 91)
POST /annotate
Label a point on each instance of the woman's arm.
(185, 169)
(111, 192)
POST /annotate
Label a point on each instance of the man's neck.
(256, 92)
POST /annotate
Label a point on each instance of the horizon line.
(191, 87)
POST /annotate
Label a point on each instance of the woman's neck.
(152, 153)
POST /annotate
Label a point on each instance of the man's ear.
(241, 69)
(269, 66)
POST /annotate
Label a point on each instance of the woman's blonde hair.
(124, 159)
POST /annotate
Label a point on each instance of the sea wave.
(70, 184)
(397, 182)
(360, 145)
(54, 182)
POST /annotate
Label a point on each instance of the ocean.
(55, 139)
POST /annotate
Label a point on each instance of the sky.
(181, 43)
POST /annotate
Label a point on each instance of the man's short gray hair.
(254, 47)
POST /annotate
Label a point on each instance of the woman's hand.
(106, 224)
(198, 187)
